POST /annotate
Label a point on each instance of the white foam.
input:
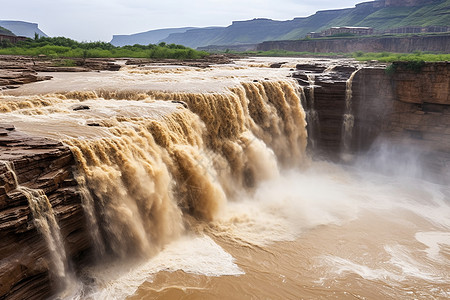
(342, 266)
(284, 207)
(433, 240)
(401, 266)
(411, 267)
(197, 255)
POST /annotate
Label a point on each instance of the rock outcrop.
(409, 105)
(24, 255)
(18, 70)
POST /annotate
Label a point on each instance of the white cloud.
(94, 20)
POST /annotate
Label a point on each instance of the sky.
(99, 20)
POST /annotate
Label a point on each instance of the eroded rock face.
(328, 88)
(409, 105)
(422, 83)
(24, 257)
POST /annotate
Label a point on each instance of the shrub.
(65, 47)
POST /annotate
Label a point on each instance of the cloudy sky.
(98, 20)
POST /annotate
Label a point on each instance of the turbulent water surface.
(196, 185)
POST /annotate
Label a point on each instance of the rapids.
(196, 185)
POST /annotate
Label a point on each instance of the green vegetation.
(285, 53)
(384, 35)
(408, 57)
(415, 66)
(415, 58)
(65, 47)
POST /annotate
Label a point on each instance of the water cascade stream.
(349, 119)
(312, 115)
(46, 224)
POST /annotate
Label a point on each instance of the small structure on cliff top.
(401, 3)
(336, 31)
(11, 38)
(333, 31)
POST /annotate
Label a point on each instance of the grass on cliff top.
(285, 53)
(360, 56)
(64, 47)
(391, 57)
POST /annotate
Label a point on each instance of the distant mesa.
(20, 28)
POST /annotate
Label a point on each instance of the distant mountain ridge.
(381, 15)
(21, 28)
(5, 31)
(148, 37)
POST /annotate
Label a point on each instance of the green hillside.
(435, 14)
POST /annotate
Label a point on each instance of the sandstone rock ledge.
(24, 258)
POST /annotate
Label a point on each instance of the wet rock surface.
(24, 256)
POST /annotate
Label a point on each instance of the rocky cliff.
(24, 255)
(409, 105)
(432, 43)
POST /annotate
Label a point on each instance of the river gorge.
(286, 178)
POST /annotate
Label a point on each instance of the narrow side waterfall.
(148, 172)
(312, 115)
(348, 118)
(46, 224)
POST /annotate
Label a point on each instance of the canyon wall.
(407, 44)
(406, 104)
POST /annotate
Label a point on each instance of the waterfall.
(142, 179)
(329, 69)
(46, 224)
(157, 162)
(348, 118)
(312, 115)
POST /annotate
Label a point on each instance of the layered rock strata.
(24, 255)
(407, 104)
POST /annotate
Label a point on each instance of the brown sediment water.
(196, 185)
